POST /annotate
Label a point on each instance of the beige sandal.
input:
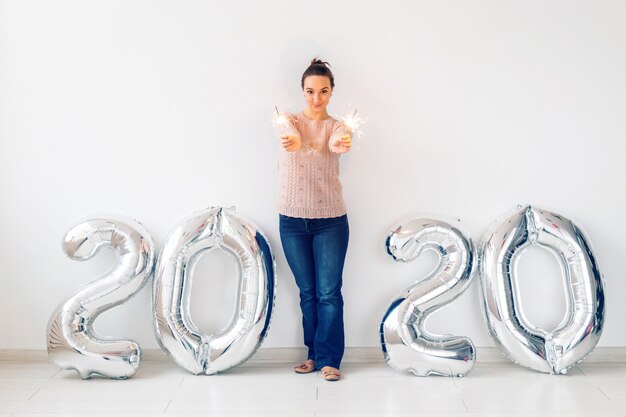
(331, 374)
(306, 367)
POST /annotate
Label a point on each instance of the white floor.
(370, 389)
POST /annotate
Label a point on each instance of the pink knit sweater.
(309, 177)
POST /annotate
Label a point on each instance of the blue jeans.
(315, 250)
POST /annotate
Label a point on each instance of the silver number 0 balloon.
(215, 228)
(406, 344)
(580, 330)
(72, 341)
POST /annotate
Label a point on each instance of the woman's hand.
(343, 144)
(290, 143)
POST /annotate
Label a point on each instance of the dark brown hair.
(319, 67)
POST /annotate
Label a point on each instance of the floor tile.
(24, 383)
(86, 407)
(545, 406)
(166, 378)
(469, 415)
(401, 392)
(333, 414)
(353, 406)
(513, 375)
(207, 393)
(162, 415)
(615, 392)
(365, 390)
(605, 376)
(17, 371)
(252, 377)
(7, 394)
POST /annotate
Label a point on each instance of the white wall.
(157, 109)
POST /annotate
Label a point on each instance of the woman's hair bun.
(317, 61)
(318, 67)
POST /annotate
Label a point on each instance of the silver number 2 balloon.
(406, 344)
(72, 341)
(214, 228)
(580, 330)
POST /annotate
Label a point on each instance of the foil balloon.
(213, 229)
(72, 341)
(406, 344)
(578, 333)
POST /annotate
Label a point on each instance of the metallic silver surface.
(405, 342)
(579, 332)
(211, 229)
(72, 341)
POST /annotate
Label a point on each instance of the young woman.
(313, 221)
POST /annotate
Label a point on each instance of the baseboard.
(289, 355)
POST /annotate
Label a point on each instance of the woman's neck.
(313, 115)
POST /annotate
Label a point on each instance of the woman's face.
(317, 91)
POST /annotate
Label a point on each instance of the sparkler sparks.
(353, 123)
(280, 120)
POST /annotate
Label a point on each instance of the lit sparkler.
(353, 122)
(280, 120)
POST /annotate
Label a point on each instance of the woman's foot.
(330, 374)
(304, 368)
